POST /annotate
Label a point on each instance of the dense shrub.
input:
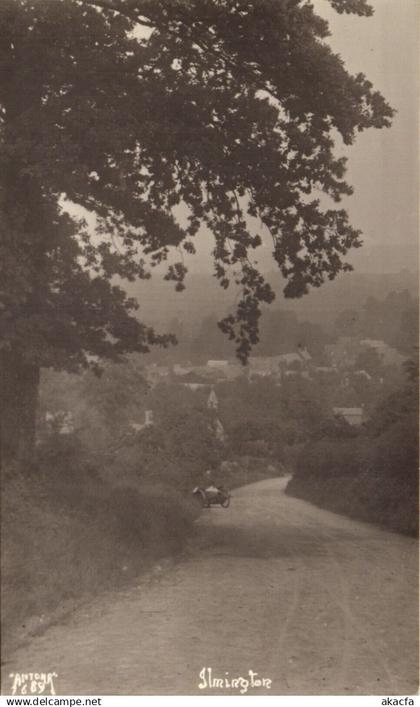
(373, 476)
(333, 458)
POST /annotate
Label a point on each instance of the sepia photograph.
(209, 349)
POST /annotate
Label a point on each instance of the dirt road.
(312, 601)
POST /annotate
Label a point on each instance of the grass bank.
(64, 539)
(79, 524)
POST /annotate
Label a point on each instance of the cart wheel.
(200, 500)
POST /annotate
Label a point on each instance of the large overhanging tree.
(131, 107)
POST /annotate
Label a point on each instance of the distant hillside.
(350, 291)
(203, 297)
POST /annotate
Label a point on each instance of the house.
(354, 416)
(264, 365)
(148, 422)
(218, 364)
(156, 374)
(344, 352)
(61, 422)
(277, 365)
(180, 370)
(223, 369)
(304, 354)
(363, 374)
(219, 431)
(212, 401)
(297, 374)
(233, 371)
(195, 386)
(290, 359)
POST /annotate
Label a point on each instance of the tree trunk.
(19, 396)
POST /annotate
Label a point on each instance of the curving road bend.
(309, 600)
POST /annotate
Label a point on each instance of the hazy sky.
(383, 164)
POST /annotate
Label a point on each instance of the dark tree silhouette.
(230, 107)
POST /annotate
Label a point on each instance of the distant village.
(341, 358)
(340, 367)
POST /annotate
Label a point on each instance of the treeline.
(204, 298)
(281, 331)
(392, 319)
(264, 419)
(109, 427)
(258, 418)
(371, 474)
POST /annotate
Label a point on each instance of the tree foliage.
(101, 408)
(229, 107)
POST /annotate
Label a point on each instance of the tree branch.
(141, 19)
(110, 5)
